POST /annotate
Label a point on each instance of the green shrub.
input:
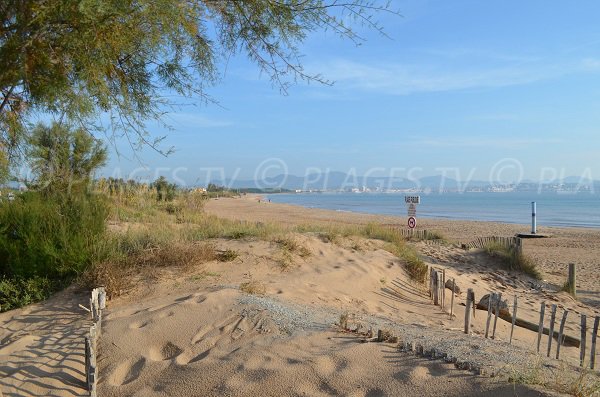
(49, 237)
(17, 292)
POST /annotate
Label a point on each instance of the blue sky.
(469, 87)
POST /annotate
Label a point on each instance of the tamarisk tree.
(79, 59)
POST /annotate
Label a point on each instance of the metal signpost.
(411, 204)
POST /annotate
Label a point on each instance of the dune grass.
(512, 259)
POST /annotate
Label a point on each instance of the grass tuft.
(512, 259)
(227, 255)
(253, 287)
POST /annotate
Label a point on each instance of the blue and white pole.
(533, 220)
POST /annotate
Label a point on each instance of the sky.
(502, 90)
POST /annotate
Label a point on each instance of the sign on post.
(411, 204)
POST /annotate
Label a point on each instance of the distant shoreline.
(551, 212)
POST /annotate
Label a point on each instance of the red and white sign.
(412, 222)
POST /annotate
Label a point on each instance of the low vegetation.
(253, 287)
(513, 259)
(106, 232)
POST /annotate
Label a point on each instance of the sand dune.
(195, 332)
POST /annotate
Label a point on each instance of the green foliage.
(165, 191)
(50, 237)
(17, 292)
(63, 159)
(79, 58)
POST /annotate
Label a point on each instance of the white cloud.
(448, 71)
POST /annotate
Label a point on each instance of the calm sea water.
(553, 209)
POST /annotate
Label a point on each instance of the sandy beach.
(281, 321)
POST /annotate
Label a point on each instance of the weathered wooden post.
(443, 289)
(541, 326)
(514, 319)
(468, 307)
(88, 351)
(561, 333)
(497, 312)
(551, 333)
(452, 299)
(572, 280)
(583, 336)
(436, 288)
(491, 297)
(102, 298)
(429, 272)
(594, 336)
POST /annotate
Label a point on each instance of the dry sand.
(194, 333)
(552, 255)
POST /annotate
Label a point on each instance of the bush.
(17, 292)
(49, 239)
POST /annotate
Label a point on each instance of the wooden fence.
(555, 328)
(418, 234)
(97, 305)
(510, 243)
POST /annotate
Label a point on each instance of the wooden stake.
(88, 352)
(583, 336)
(551, 332)
(443, 289)
(497, 311)
(560, 333)
(594, 336)
(491, 298)
(514, 318)
(468, 307)
(541, 326)
(429, 272)
(452, 299)
(436, 288)
(572, 279)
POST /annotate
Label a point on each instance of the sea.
(566, 209)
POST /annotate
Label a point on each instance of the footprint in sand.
(165, 314)
(127, 372)
(168, 351)
(139, 324)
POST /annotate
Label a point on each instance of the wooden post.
(429, 272)
(491, 298)
(594, 336)
(452, 299)
(468, 307)
(583, 336)
(551, 332)
(561, 333)
(88, 351)
(497, 312)
(443, 289)
(572, 279)
(541, 326)
(436, 288)
(102, 298)
(514, 318)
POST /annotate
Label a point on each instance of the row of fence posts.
(582, 343)
(97, 304)
(494, 305)
(413, 233)
(512, 243)
(437, 289)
